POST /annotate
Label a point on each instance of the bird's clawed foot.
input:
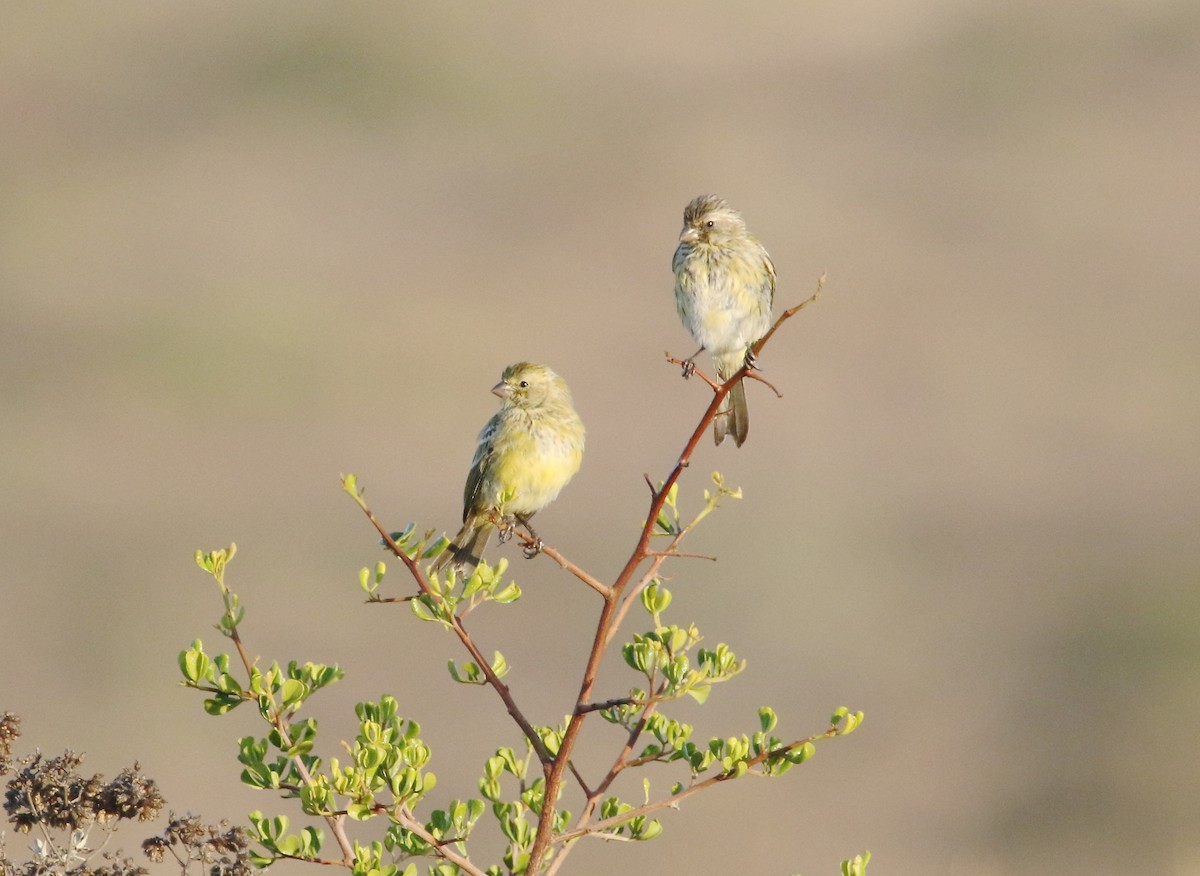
(689, 368)
(751, 361)
(530, 550)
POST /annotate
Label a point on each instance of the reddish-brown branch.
(786, 315)
(607, 704)
(679, 555)
(566, 564)
(327, 862)
(674, 799)
(754, 375)
(456, 625)
(442, 846)
(613, 612)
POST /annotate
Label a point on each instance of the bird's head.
(709, 219)
(526, 385)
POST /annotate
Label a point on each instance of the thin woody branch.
(754, 375)
(442, 846)
(680, 555)
(621, 762)
(326, 862)
(786, 315)
(610, 704)
(530, 541)
(460, 630)
(613, 612)
(673, 800)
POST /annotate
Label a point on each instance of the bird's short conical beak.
(689, 235)
(502, 389)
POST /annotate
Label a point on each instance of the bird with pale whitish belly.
(724, 289)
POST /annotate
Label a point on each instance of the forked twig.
(460, 630)
(613, 611)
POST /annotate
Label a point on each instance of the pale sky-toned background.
(246, 247)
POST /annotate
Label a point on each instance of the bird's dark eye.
(709, 223)
(523, 384)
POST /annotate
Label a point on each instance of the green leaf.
(767, 719)
(221, 704)
(475, 582)
(214, 562)
(856, 866)
(227, 684)
(421, 610)
(639, 654)
(508, 595)
(499, 665)
(852, 723)
(655, 598)
(288, 845)
(663, 522)
(359, 811)
(194, 663)
(436, 549)
(649, 831)
(293, 693)
(278, 826)
(303, 735)
(801, 753)
(778, 766)
(514, 829)
(312, 840)
(469, 674)
(493, 767)
(259, 860)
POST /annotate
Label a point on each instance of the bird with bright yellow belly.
(526, 454)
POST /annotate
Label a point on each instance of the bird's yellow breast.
(534, 463)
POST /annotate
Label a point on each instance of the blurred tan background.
(246, 247)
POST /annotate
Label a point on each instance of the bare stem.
(566, 564)
(788, 314)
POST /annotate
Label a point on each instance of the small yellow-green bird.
(724, 289)
(526, 454)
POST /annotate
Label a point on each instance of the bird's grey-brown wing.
(770, 267)
(484, 451)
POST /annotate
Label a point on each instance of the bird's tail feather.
(465, 552)
(733, 418)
